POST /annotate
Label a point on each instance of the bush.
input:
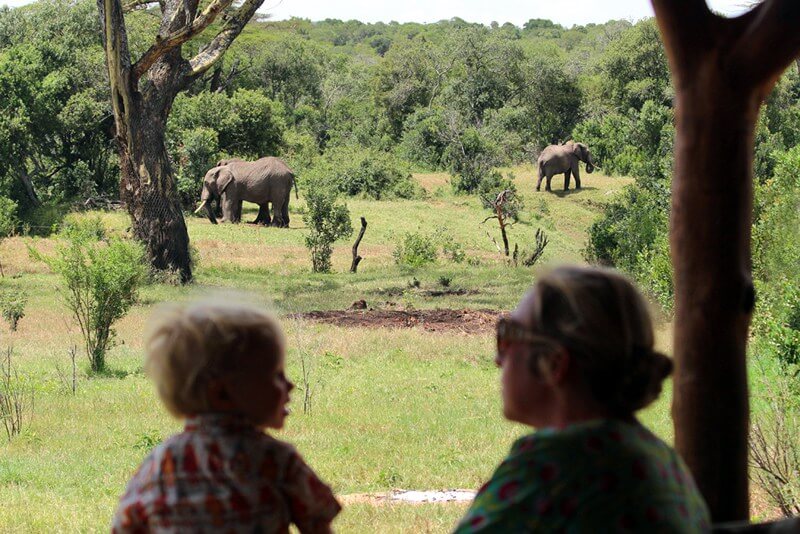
(365, 171)
(328, 219)
(8, 217)
(12, 306)
(101, 282)
(495, 183)
(470, 157)
(415, 250)
(198, 151)
(80, 226)
(452, 249)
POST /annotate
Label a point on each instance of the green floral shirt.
(598, 476)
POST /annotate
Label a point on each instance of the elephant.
(262, 181)
(557, 159)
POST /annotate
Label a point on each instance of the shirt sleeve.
(311, 502)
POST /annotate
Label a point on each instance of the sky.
(517, 12)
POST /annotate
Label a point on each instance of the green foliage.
(101, 280)
(635, 68)
(452, 249)
(247, 124)
(415, 250)
(83, 227)
(470, 157)
(328, 220)
(495, 183)
(53, 119)
(8, 217)
(198, 151)
(12, 305)
(367, 172)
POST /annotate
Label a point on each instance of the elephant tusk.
(202, 205)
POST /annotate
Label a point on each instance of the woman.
(577, 362)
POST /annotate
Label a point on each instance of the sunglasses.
(510, 332)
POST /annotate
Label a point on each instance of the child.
(221, 368)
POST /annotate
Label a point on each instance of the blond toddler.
(220, 367)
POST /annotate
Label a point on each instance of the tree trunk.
(141, 107)
(150, 194)
(722, 70)
(710, 240)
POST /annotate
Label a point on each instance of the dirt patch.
(443, 320)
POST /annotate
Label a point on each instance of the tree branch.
(685, 26)
(118, 60)
(767, 45)
(211, 53)
(191, 29)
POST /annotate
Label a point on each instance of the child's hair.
(604, 322)
(188, 345)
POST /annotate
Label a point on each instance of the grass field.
(391, 408)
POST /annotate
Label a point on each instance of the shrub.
(78, 225)
(415, 250)
(328, 219)
(198, 151)
(452, 249)
(495, 183)
(12, 306)
(101, 282)
(8, 217)
(366, 171)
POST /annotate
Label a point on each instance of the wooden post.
(356, 258)
(722, 70)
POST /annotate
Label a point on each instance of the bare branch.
(490, 217)
(766, 46)
(191, 29)
(210, 54)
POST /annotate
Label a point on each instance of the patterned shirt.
(598, 476)
(223, 474)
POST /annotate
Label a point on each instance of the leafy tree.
(142, 93)
(635, 68)
(328, 220)
(54, 139)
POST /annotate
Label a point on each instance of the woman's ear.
(556, 366)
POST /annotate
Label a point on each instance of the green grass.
(390, 408)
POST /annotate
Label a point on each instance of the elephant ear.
(224, 179)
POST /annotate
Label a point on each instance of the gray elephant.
(264, 181)
(557, 159)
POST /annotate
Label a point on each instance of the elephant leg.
(263, 214)
(577, 174)
(237, 212)
(547, 186)
(566, 179)
(285, 213)
(277, 215)
(539, 182)
(228, 209)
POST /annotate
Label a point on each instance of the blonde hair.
(604, 322)
(189, 345)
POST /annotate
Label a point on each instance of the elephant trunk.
(589, 163)
(209, 211)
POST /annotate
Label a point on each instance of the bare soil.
(440, 320)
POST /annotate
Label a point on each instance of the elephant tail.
(296, 195)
